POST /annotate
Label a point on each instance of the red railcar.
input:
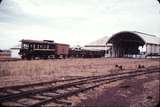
(61, 50)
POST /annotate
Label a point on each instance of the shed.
(131, 43)
(99, 44)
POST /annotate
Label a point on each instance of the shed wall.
(152, 49)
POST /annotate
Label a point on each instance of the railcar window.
(51, 47)
(26, 46)
(107, 52)
(34, 46)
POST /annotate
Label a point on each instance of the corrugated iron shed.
(127, 43)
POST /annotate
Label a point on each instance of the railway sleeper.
(62, 101)
(39, 97)
(11, 104)
(10, 91)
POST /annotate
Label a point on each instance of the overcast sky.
(74, 21)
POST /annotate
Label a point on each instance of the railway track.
(40, 94)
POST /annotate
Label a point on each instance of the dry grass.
(52, 69)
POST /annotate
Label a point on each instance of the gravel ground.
(135, 92)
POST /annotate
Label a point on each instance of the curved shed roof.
(99, 42)
(147, 38)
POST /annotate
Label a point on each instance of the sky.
(75, 22)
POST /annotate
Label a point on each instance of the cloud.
(75, 21)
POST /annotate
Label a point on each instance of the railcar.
(34, 49)
(84, 53)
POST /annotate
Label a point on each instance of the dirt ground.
(24, 72)
(140, 91)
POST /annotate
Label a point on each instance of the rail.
(67, 88)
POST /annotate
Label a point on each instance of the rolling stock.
(47, 49)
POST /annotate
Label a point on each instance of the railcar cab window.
(25, 46)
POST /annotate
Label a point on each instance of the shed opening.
(125, 44)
